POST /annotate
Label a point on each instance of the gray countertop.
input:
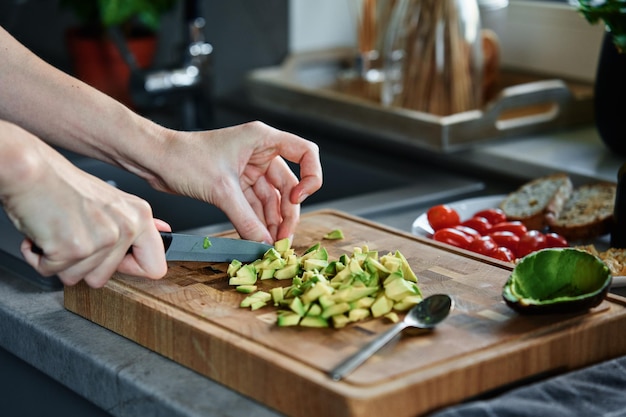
(126, 379)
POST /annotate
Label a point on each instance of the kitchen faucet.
(190, 84)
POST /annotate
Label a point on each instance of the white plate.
(465, 208)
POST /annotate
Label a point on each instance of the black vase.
(610, 96)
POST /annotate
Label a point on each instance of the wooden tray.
(311, 86)
(192, 316)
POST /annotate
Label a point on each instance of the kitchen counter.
(125, 379)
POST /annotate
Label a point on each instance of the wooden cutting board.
(193, 317)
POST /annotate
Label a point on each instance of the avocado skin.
(564, 307)
(571, 305)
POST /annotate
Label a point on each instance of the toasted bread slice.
(534, 200)
(587, 214)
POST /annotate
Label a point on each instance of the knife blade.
(183, 247)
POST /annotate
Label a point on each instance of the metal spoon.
(425, 315)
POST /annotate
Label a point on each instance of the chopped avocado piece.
(206, 243)
(313, 321)
(233, 267)
(407, 302)
(282, 245)
(381, 306)
(257, 304)
(399, 288)
(277, 295)
(334, 309)
(297, 306)
(392, 317)
(246, 289)
(311, 249)
(316, 291)
(340, 320)
(358, 314)
(287, 319)
(287, 272)
(246, 275)
(267, 273)
(334, 235)
(314, 310)
(315, 264)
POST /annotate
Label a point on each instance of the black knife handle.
(166, 236)
(167, 239)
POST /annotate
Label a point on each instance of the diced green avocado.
(340, 320)
(356, 293)
(246, 275)
(233, 267)
(257, 304)
(315, 292)
(407, 272)
(267, 273)
(282, 245)
(246, 289)
(365, 302)
(315, 264)
(314, 310)
(334, 234)
(381, 306)
(334, 309)
(257, 297)
(277, 263)
(313, 321)
(358, 314)
(289, 271)
(372, 264)
(297, 306)
(392, 317)
(326, 301)
(311, 249)
(398, 289)
(277, 295)
(285, 319)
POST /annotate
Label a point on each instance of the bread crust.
(535, 201)
(587, 214)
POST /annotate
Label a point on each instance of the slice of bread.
(533, 201)
(587, 214)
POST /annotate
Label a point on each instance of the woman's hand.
(243, 171)
(82, 226)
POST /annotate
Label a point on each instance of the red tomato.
(532, 241)
(493, 215)
(478, 223)
(504, 254)
(555, 240)
(516, 227)
(442, 216)
(468, 231)
(484, 245)
(506, 239)
(453, 237)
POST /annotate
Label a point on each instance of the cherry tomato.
(485, 245)
(493, 215)
(555, 240)
(453, 237)
(478, 223)
(442, 216)
(516, 227)
(530, 242)
(468, 231)
(504, 238)
(504, 254)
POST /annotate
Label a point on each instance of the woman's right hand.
(82, 225)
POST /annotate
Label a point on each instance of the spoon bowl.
(425, 315)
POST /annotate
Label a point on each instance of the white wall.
(544, 37)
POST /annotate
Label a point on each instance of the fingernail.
(303, 197)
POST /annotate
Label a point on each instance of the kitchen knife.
(181, 247)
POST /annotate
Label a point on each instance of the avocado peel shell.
(557, 280)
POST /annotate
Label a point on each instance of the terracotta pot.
(609, 94)
(98, 62)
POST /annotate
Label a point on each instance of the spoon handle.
(351, 363)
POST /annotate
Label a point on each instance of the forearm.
(68, 113)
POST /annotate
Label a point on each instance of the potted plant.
(96, 59)
(610, 83)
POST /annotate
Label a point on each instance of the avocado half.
(557, 280)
